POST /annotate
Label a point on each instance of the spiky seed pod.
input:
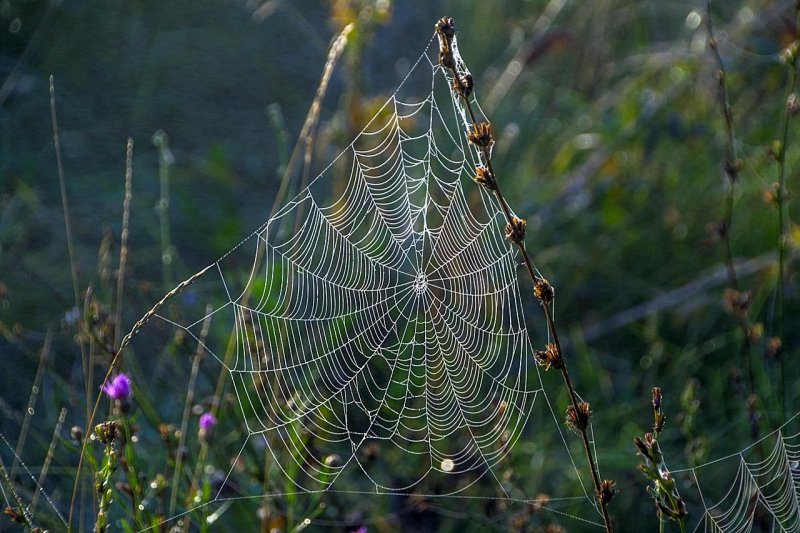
(543, 291)
(658, 415)
(578, 419)
(481, 135)
(515, 230)
(446, 27)
(550, 357)
(106, 432)
(485, 178)
(607, 490)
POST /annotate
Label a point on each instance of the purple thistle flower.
(207, 423)
(119, 389)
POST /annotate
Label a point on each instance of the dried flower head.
(481, 135)
(659, 418)
(515, 230)
(207, 424)
(550, 357)
(106, 432)
(119, 389)
(578, 419)
(773, 347)
(446, 27)
(464, 85)
(607, 490)
(485, 177)
(543, 291)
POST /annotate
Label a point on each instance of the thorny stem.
(445, 40)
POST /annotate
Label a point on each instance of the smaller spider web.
(379, 333)
(755, 489)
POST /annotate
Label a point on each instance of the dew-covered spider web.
(754, 489)
(379, 344)
(378, 313)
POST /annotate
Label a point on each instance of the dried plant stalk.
(578, 412)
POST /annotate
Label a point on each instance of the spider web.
(754, 489)
(387, 320)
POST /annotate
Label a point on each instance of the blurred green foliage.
(611, 142)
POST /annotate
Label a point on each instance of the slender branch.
(123, 249)
(737, 301)
(790, 56)
(578, 412)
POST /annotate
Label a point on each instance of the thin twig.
(790, 55)
(739, 302)
(198, 356)
(480, 136)
(29, 412)
(123, 248)
(51, 450)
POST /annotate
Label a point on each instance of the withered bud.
(485, 177)
(14, 515)
(515, 230)
(732, 169)
(549, 357)
(792, 105)
(543, 291)
(578, 419)
(736, 302)
(446, 27)
(463, 85)
(657, 398)
(712, 43)
(76, 434)
(789, 54)
(607, 491)
(106, 432)
(481, 135)
(773, 347)
(658, 415)
(446, 59)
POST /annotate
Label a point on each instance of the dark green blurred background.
(611, 143)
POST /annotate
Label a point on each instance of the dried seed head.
(607, 491)
(76, 434)
(515, 230)
(543, 291)
(481, 135)
(792, 105)
(485, 177)
(463, 85)
(106, 432)
(773, 347)
(446, 27)
(446, 58)
(789, 54)
(658, 415)
(732, 169)
(578, 419)
(736, 302)
(549, 357)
